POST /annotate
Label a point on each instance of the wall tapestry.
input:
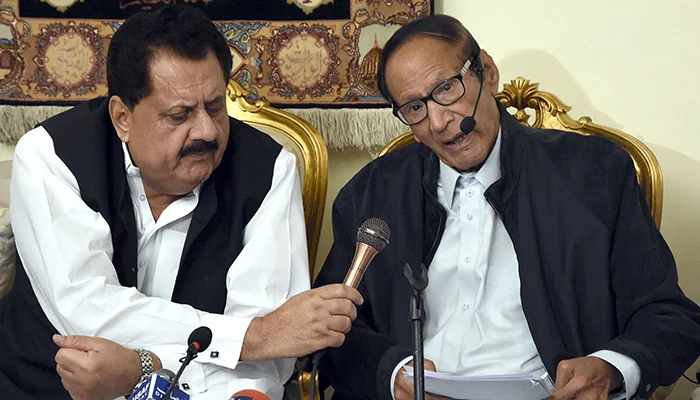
(290, 52)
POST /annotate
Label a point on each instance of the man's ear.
(491, 74)
(121, 117)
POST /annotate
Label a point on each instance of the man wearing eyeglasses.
(542, 255)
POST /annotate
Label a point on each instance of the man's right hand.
(403, 388)
(309, 321)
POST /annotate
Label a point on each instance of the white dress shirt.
(67, 251)
(475, 323)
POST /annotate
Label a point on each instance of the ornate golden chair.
(550, 112)
(300, 138)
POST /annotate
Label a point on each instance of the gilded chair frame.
(309, 142)
(551, 113)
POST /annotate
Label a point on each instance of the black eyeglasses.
(445, 94)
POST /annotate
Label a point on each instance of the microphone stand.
(191, 355)
(418, 281)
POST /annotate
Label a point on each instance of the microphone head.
(200, 338)
(249, 394)
(166, 374)
(375, 233)
(467, 125)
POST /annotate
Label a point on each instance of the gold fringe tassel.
(366, 129)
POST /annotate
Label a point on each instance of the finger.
(403, 388)
(341, 307)
(565, 371)
(429, 365)
(340, 323)
(70, 359)
(340, 291)
(63, 372)
(84, 343)
(575, 388)
(335, 339)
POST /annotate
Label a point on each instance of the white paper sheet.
(493, 387)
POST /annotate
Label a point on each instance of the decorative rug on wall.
(292, 53)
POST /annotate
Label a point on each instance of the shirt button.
(465, 306)
(467, 259)
(142, 197)
(470, 193)
(470, 215)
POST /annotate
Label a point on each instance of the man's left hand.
(585, 378)
(96, 368)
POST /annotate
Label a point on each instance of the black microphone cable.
(315, 361)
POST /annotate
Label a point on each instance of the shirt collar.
(129, 166)
(487, 175)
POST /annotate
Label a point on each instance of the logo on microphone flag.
(154, 388)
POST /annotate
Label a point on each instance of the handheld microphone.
(156, 386)
(249, 394)
(372, 237)
(468, 123)
(198, 341)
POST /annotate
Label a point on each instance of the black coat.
(595, 272)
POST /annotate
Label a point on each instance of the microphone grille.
(467, 125)
(374, 232)
(202, 336)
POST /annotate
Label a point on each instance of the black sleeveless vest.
(85, 140)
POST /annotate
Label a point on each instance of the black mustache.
(199, 147)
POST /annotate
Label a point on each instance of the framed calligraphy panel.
(289, 52)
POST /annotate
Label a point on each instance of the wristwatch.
(146, 363)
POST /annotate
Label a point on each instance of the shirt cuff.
(629, 369)
(398, 367)
(226, 341)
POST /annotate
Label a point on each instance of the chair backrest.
(301, 139)
(551, 113)
(7, 240)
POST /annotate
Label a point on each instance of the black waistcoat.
(85, 140)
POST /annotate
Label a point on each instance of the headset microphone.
(468, 123)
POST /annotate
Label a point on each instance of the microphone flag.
(154, 388)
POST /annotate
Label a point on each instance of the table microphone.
(198, 341)
(249, 394)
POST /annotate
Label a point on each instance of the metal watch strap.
(146, 363)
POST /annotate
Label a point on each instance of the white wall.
(629, 64)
